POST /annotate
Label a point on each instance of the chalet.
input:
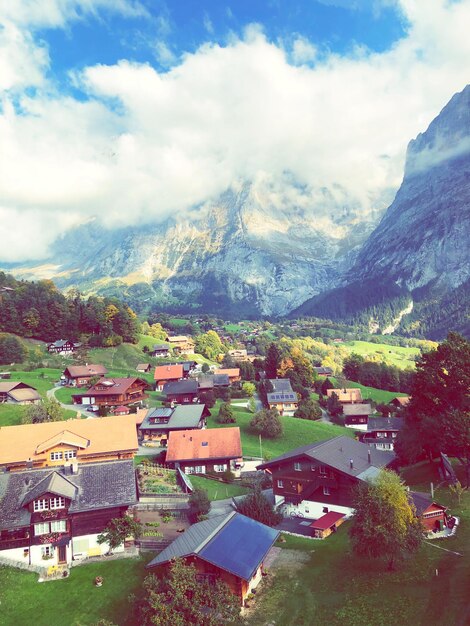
(324, 372)
(232, 372)
(239, 355)
(63, 347)
(143, 368)
(80, 375)
(52, 516)
(188, 366)
(121, 410)
(160, 350)
(320, 477)
(283, 397)
(182, 391)
(231, 548)
(400, 402)
(205, 451)
(167, 374)
(346, 396)
(16, 392)
(381, 432)
(50, 444)
(433, 516)
(181, 343)
(211, 381)
(112, 392)
(158, 423)
(357, 415)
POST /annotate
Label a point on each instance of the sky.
(131, 111)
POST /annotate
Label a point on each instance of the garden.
(154, 478)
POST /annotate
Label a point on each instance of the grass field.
(217, 490)
(377, 395)
(393, 355)
(297, 432)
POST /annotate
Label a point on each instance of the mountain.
(419, 254)
(253, 251)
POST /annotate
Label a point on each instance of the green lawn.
(333, 588)
(297, 433)
(393, 355)
(64, 394)
(74, 601)
(378, 395)
(10, 414)
(216, 490)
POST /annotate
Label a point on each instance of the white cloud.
(224, 115)
(303, 51)
(208, 25)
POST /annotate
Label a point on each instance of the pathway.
(71, 407)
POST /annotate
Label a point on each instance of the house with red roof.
(167, 374)
(214, 450)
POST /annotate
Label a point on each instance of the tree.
(272, 361)
(48, 410)
(267, 423)
(258, 507)
(308, 410)
(247, 370)
(249, 389)
(226, 415)
(326, 384)
(207, 398)
(251, 405)
(385, 523)
(181, 598)
(199, 504)
(209, 345)
(205, 368)
(457, 491)
(334, 406)
(11, 350)
(117, 530)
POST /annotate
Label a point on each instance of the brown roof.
(111, 386)
(178, 338)
(76, 371)
(230, 371)
(346, 395)
(402, 400)
(168, 372)
(212, 443)
(105, 435)
(24, 394)
(12, 384)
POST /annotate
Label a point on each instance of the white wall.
(314, 510)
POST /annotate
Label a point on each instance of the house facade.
(170, 373)
(159, 422)
(160, 350)
(433, 515)
(54, 516)
(181, 391)
(283, 398)
(318, 478)
(181, 343)
(356, 415)
(230, 548)
(112, 392)
(15, 392)
(51, 444)
(80, 375)
(214, 450)
(63, 347)
(381, 432)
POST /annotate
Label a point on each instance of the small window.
(297, 466)
(323, 469)
(57, 503)
(56, 456)
(280, 484)
(326, 491)
(41, 505)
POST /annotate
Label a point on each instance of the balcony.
(10, 544)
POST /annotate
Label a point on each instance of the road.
(72, 407)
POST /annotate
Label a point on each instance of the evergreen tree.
(273, 360)
(226, 415)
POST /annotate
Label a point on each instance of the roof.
(233, 542)
(122, 409)
(161, 346)
(286, 396)
(77, 371)
(422, 502)
(177, 338)
(281, 384)
(323, 370)
(211, 443)
(402, 400)
(384, 423)
(338, 453)
(62, 342)
(105, 435)
(182, 417)
(6, 387)
(357, 409)
(24, 395)
(346, 395)
(111, 386)
(180, 386)
(143, 366)
(168, 372)
(327, 521)
(64, 437)
(221, 379)
(96, 486)
(230, 371)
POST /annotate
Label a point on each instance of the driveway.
(71, 407)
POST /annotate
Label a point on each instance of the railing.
(7, 544)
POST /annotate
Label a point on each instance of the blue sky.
(137, 110)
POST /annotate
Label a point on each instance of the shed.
(327, 524)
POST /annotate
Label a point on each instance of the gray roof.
(356, 409)
(220, 380)
(285, 396)
(181, 386)
(338, 453)
(281, 384)
(96, 486)
(384, 423)
(181, 417)
(161, 346)
(421, 501)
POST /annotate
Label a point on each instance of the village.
(186, 451)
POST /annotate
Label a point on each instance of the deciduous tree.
(117, 530)
(267, 423)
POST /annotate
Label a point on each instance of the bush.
(199, 504)
(267, 423)
(228, 476)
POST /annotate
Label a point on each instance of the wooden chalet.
(381, 432)
(51, 444)
(233, 374)
(323, 372)
(240, 355)
(16, 392)
(188, 366)
(231, 548)
(320, 477)
(346, 396)
(169, 373)
(80, 375)
(433, 515)
(159, 422)
(112, 392)
(181, 391)
(143, 368)
(356, 415)
(63, 347)
(181, 343)
(52, 516)
(282, 398)
(160, 350)
(206, 451)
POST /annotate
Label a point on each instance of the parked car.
(94, 408)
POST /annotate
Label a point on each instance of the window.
(70, 454)
(58, 526)
(57, 503)
(297, 466)
(26, 553)
(41, 529)
(326, 491)
(41, 505)
(280, 484)
(220, 468)
(380, 435)
(323, 470)
(56, 456)
(47, 551)
(197, 469)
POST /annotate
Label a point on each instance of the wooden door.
(62, 554)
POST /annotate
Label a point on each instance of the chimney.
(351, 464)
(368, 457)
